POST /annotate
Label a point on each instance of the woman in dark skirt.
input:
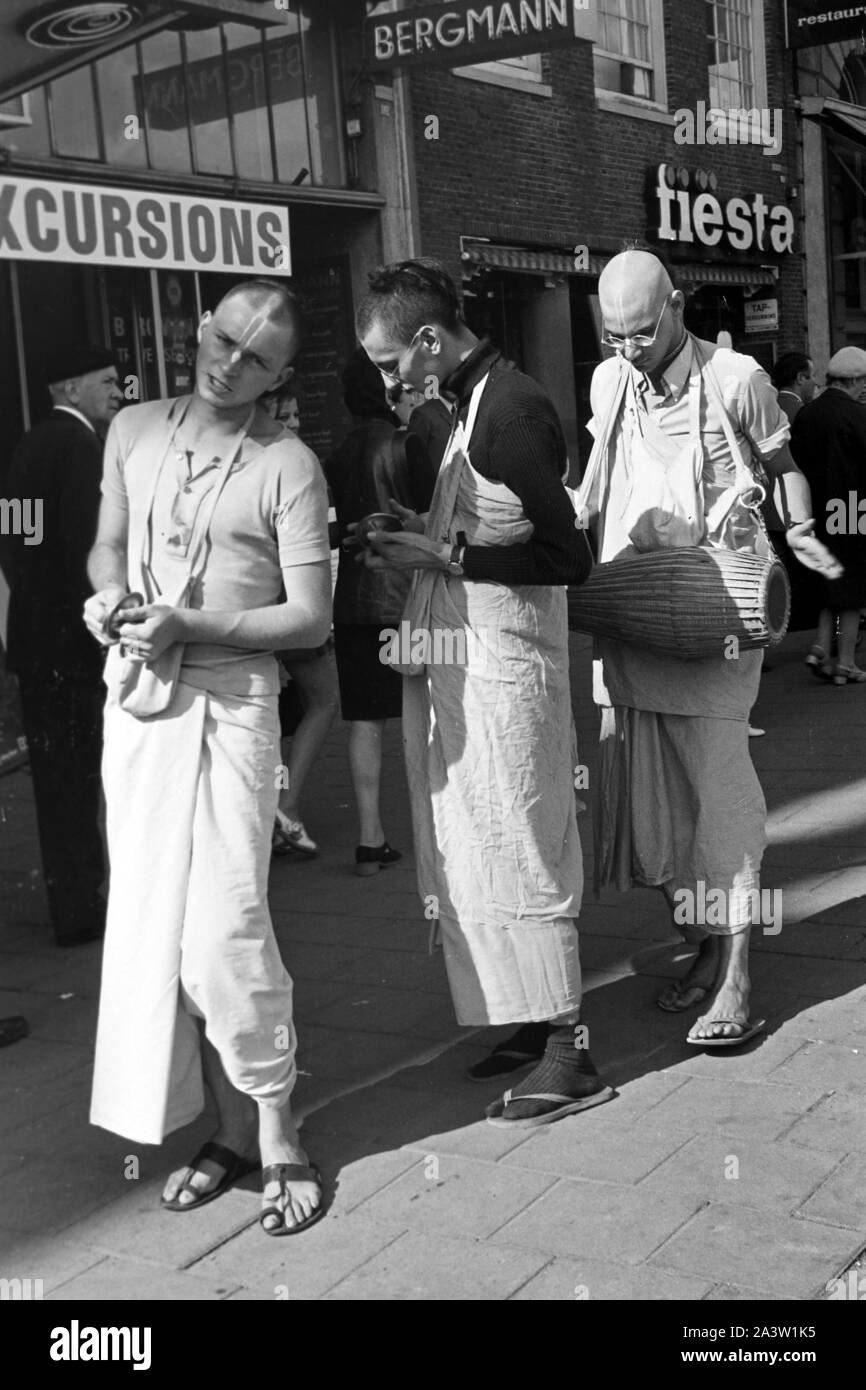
(375, 463)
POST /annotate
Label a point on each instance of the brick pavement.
(637, 1199)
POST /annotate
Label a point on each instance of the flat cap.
(78, 359)
(848, 361)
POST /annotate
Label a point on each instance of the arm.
(106, 565)
(303, 620)
(796, 499)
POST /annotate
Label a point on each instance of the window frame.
(8, 118)
(757, 19)
(608, 99)
(522, 73)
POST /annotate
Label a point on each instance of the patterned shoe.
(290, 837)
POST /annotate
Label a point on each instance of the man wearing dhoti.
(682, 429)
(216, 518)
(487, 721)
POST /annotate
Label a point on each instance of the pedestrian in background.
(366, 473)
(59, 667)
(829, 443)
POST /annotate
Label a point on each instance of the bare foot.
(208, 1174)
(690, 990)
(279, 1142)
(731, 1003)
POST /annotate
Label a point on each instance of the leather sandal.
(235, 1167)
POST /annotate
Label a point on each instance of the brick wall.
(513, 165)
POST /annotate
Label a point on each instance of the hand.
(411, 520)
(150, 630)
(97, 609)
(405, 550)
(813, 553)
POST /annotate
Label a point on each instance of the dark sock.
(564, 1070)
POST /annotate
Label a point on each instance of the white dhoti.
(191, 796)
(489, 760)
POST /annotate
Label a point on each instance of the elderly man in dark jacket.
(56, 472)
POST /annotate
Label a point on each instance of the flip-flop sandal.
(751, 1030)
(235, 1167)
(686, 998)
(290, 1172)
(565, 1105)
(13, 1029)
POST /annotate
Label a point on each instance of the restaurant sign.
(809, 23)
(41, 220)
(463, 33)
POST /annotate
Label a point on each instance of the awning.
(531, 261)
(839, 116)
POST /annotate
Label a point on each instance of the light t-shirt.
(272, 514)
(629, 675)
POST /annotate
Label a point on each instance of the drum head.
(778, 603)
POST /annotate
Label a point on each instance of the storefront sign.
(742, 223)
(809, 23)
(761, 315)
(81, 223)
(465, 33)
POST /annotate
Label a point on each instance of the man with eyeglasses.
(192, 975)
(679, 805)
(488, 735)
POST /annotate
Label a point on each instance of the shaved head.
(637, 298)
(270, 302)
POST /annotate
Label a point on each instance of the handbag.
(735, 521)
(147, 688)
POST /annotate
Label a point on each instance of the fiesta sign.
(80, 223)
(466, 33)
(746, 224)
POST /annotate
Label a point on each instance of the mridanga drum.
(685, 603)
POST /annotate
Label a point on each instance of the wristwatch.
(455, 564)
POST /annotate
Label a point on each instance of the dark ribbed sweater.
(518, 441)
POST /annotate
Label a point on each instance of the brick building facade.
(518, 163)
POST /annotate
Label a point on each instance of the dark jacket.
(371, 466)
(828, 442)
(60, 463)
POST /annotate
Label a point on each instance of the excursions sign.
(83, 223)
(465, 33)
(745, 223)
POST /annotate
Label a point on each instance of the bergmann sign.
(810, 23)
(454, 35)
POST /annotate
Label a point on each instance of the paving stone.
(841, 1198)
(429, 1267)
(52, 1019)
(828, 1065)
(27, 1104)
(579, 1219)
(623, 1155)
(733, 1293)
(395, 1114)
(757, 1110)
(457, 1196)
(49, 1258)
(779, 1254)
(136, 1222)
(376, 1009)
(834, 1123)
(599, 1280)
(772, 1177)
(758, 1059)
(125, 1280)
(36, 1062)
(301, 1269)
(831, 1019)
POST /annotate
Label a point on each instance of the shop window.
(323, 116)
(164, 103)
(284, 66)
(121, 107)
(73, 115)
(24, 124)
(629, 55)
(735, 54)
(178, 315)
(207, 102)
(248, 95)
